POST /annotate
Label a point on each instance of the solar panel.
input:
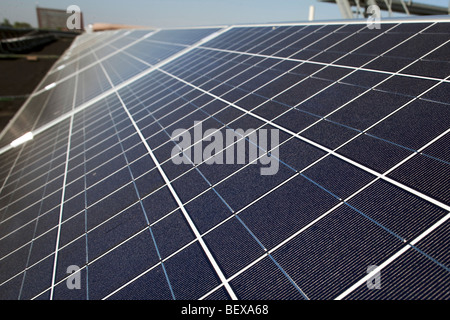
(131, 184)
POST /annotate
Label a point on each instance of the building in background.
(54, 19)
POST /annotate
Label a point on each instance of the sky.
(175, 13)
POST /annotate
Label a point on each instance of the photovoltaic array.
(363, 166)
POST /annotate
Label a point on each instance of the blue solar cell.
(207, 210)
(327, 56)
(418, 46)
(439, 149)
(390, 64)
(436, 244)
(100, 174)
(105, 187)
(10, 289)
(14, 263)
(150, 286)
(270, 109)
(306, 69)
(141, 166)
(114, 203)
(245, 122)
(354, 60)
(296, 120)
(16, 240)
(240, 189)
(149, 182)
(301, 91)
(329, 134)
(263, 80)
(158, 204)
(37, 279)
(369, 108)
(403, 213)
(152, 52)
(374, 153)
(234, 95)
(73, 206)
(233, 246)
(61, 292)
(42, 247)
(298, 154)
(439, 54)
(427, 175)
(286, 210)
(385, 42)
(415, 125)
(115, 230)
(406, 85)
(74, 188)
(72, 228)
(121, 265)
(332, 73)
(193, 179)
(331, 98)
(257, 283)
(120, 68)
(219, 294)
(411, 277)
(86, 92)
(50, 202)
(46, 221)
(433, 69)
(136, 152)
(316, 255)
(329, 40)
(172, 233)
(190, 273)
(217, 172)
(72, 254)
(339, 177)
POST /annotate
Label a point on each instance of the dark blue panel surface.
(208, 210)
(105, 207)
(114, 231)
(172, 233)
(121, 265)
(427, 175)
(190, 273)
(403, 214)
(408, 278)
(329, 134)
(150, 286)
(374, 153)
(286, 210)
(368, 109)
(436, 244)
(338, 177)
(233, 245)
(415, 125)
(335, 253)
(258, 283)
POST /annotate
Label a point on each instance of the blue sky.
(170, 13)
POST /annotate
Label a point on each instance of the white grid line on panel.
(61, 209)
